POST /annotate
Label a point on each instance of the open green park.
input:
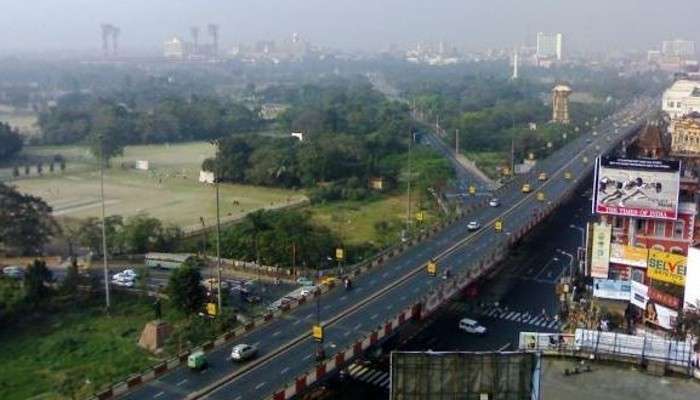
(169, 190)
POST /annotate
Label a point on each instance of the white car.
(471, 326)
(473, 226)
(304, 281)
(130, 273)
(242, 352)
(494, 202)
(308, 291)
(13, 271)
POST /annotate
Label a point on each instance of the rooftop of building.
(683, 87)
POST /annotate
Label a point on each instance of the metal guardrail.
(641, 349)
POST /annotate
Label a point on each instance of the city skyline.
(47, 25)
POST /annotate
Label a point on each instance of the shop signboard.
(600, 258)
(611, 289)
(628, 255)
(666, 267)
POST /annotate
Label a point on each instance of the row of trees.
(135, 235)
(80, 118)
(10, 142)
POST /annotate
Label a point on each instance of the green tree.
(109, 130)
(36, 278)
(89, 234)
(71, 282)
(26, 223)
(10, 142)
(185, 289)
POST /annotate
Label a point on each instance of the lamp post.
(571, 262)
(104, 227)
(583, 242)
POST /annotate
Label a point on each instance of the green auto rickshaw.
(197, 360)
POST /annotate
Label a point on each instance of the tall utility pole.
(456, 141)
(104, 227)
(512, 157)
(218, 246)
(408, 206)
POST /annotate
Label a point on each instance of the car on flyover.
(471, 326)
(494, 202)
(473, 225)
(243, 352)
(526, 188)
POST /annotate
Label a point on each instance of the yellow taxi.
(526, 188)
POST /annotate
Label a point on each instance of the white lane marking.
(261, 384)
(284, 371)
(373, 281)
(182, 382)
(307, 357)
(384, 275)
(276, 333)
(403, 298)
(327, 306)
(238, 398)
(343, 298)
(374, 316)
(256, 344)
(297, 322)
(158, 395)
(347, 333)
(358, 326)
(308, 316)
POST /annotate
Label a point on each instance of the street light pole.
(571, 262)
(408, 206)
(218, 246)
(583, 234)
(104, 228)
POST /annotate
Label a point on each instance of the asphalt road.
(260, 379)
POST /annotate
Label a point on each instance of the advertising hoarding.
(638, 294)
(629, 255)
(600, 257)
(611, 289)
(691, 298)
(659, 315)
(637, 188)
(666, 267)
(664, 299)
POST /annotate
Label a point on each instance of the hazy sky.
(356, 24)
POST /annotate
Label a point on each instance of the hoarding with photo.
(691, 297)
(611, 289)
(600, 257)
(637, 188)
(666, 267)
(659, 315)
(628, 255)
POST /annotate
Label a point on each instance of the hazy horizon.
(50, 25)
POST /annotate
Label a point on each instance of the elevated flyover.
(389, 294)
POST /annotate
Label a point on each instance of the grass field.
(169, 191)
(354, 221)
(25, 121)
(488, 161)
(41, 355)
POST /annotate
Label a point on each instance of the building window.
(659, 229)
(641, 226)
(618, 223)
(658, 247)
(640, 245)
(678, 229)
(676, 250)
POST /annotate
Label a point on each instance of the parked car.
(542, 176)
(473, 225)
(308, 290)
(242, 352)
(13, 271)
(304, 281)
(471, 326)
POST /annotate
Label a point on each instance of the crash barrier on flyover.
(663, 354)
(164, 367)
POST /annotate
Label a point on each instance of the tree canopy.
(26, 223)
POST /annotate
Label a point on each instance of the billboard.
(600, 257)
(666, 267)
(629, 255)
(611, 289)
(691, 298)
(659, 315)
(637, 188)
(639, 294)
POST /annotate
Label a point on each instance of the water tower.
(560, 104)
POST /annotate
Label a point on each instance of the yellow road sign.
(317, 333)
(339, 254)
(212, 309)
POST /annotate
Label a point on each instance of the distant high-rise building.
(549, 45)
(175, 48)
(515, 65)
(678, 48)
(560, 104)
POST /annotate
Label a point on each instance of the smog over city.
(378, 200)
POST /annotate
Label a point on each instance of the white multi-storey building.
(549, 45)
(682, 98)
(678, 48)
